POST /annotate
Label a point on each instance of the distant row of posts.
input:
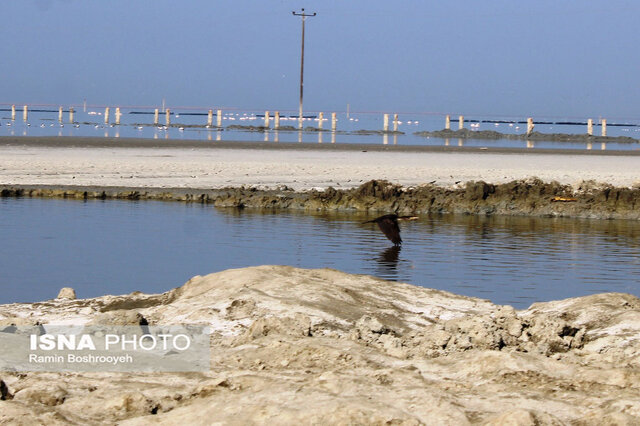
(385, 122)
(276, 116)
(276, 120)
(167, 111)
(530, 124)
(447, 122)
(60, 115)
(25, 114)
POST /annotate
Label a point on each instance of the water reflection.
(388, 262)
(115, 247)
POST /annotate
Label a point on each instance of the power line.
(304, 16)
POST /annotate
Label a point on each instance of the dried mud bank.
(297, 346)
(531, 197)
(533, 136)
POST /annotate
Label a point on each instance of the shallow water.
(90, 123)
(115, 247)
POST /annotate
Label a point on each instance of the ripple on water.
(113, 247)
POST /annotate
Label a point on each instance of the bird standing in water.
(388, 224)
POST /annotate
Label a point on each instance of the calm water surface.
(115, 247)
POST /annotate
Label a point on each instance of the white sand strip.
(299, 169)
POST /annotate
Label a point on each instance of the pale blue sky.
(544, 57)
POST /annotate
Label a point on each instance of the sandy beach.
(92, 162)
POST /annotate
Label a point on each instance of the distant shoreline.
(534, 136)
(112, 142)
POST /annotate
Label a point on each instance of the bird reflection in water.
(388, 259)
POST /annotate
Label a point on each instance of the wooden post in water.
(60, 115)
(320, 119)
(25, 113)
(590, 127)
(447, 122)
(71, 115)
(168, 116)
(385, 121)
(276, 119)
(395, 122)
(266, 119)
(13, 113)
(530, 125)
(210, 118)
(106, 115)
(334, 122)
(219, 118)
(604, 127)
(155, 117)
(461, 122)
(118, 115)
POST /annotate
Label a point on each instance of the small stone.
(67, 293)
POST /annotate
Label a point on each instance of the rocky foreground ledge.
(297, 346)
(528, 197)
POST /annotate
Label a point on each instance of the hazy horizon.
(543, 58)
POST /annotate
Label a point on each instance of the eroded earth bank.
(530, 197)
(320, 346)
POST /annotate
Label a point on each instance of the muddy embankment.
(531, 197)
(533, 136)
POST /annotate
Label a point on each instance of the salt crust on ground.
(297, 346)
(297, 169)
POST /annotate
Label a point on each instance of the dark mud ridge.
(531, 197)
(251, 128)
(534, 136)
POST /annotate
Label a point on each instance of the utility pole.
(303, 15)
